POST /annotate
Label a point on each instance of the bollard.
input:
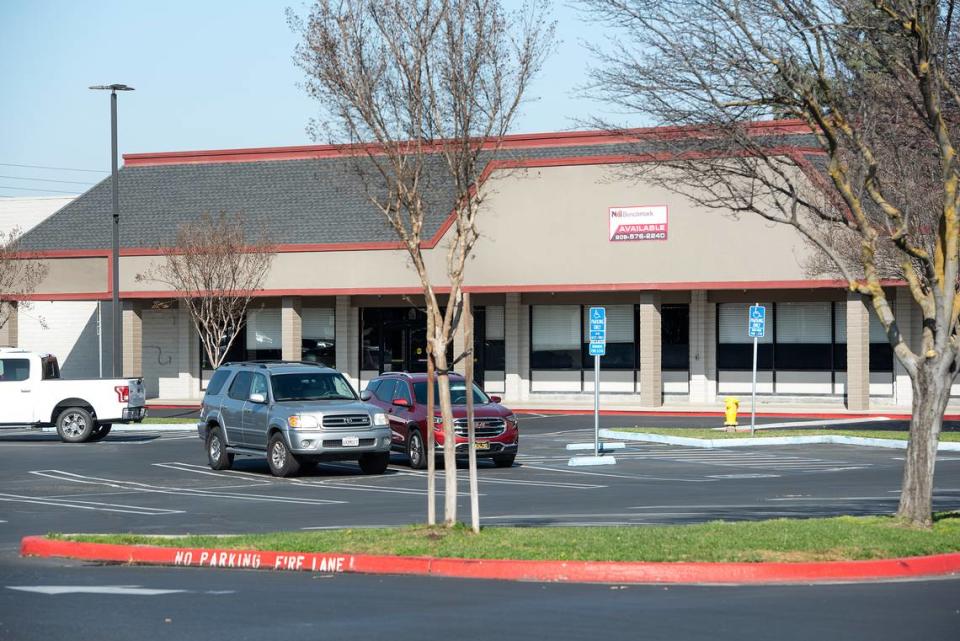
(732, 406)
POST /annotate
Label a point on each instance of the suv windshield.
(458, 393)
(311, 386)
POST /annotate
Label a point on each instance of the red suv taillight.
(123, 393)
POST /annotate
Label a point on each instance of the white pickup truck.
(32, 393)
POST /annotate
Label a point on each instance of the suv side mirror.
(256, 397)
(495, 399)
(366, 395)
(401, 402)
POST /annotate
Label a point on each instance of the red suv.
(404, 398)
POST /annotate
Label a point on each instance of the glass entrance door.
(403, 347)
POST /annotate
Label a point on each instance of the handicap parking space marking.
(735, 458)
(135, 486)
(88, 505)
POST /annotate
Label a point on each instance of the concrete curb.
(510, 570)
(832, 439)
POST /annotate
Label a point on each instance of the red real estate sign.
(644, 222)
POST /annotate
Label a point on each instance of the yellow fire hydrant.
(732, 406)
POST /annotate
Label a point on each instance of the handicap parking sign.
(757, 321)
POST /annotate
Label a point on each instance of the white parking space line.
(88, 505)
(180, 468)
(334, 484)
(529, 482)
(573, 431)
(60, 475)
(638, 477)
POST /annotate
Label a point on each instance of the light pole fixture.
(115, 286)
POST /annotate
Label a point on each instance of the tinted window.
(311, 386)
(384, 391)
(240, 388)
(51, 369)
(373, 385)
(259, 385)
(403, 391)
(14, 369)
(217, 380)
(458, 393)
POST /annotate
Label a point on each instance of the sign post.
(756, 328)
(598, 347)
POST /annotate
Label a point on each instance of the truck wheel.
(217, 455)
(75, 425)
(418, 458)
(374, 463)
(100, 431)
(504, 461)
(281, 460)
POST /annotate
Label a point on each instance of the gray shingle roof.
(310, 201)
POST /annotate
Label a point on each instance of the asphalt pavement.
(158, 482)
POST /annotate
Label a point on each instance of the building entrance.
(394, 339)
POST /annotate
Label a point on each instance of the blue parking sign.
(757, 321)
(598, 331)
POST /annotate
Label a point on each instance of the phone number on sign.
(650, 235)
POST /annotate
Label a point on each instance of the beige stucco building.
(554, 243)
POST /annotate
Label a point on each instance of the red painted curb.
(692, 414)
(719, 414)
(552, 571)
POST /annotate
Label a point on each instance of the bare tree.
(422, 93)
(216, 264)
(875, 83)
(20, 274)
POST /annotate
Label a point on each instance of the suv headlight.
(303, 421)
(512, 419)
(380, 419)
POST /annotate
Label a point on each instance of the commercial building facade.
(555, 240)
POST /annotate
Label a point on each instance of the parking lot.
(155, 481)
(158, 481)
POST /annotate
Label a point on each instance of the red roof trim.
(414, 290)
(517, 141)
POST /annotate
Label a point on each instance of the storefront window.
(318, 336)
(803, 337)
(734, 347)
(493, 343)
(555, 336)
(263, 334)
(620, 351)
(675, 337)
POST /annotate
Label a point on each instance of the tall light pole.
(117, 314)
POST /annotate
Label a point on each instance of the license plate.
(481, 445)
(351, 441)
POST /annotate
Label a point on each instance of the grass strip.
(783, 540)
(703, 433)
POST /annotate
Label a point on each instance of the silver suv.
(295, 414)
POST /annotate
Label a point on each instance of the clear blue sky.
(208, 74)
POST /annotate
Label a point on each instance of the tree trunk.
(471, 430)
(428, 440)
(931, 391)
(449, 437)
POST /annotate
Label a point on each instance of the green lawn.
(840, 538)
(692, 432)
